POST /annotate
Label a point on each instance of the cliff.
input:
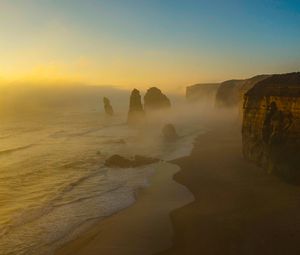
(230, 93)
(154, 99)
(203, 92)
(271, 125)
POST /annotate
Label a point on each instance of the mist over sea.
(53, 143)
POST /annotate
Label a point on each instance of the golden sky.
(141, 43)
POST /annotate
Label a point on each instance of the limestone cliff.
(154, 99)
(136, 112)
(230, 93)
(203, 92)
(271, 125)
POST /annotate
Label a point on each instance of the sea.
(53, 181)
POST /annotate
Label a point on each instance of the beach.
(237, 209)
(143, 228)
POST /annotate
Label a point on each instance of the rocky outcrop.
(205, 92)
(107, 107)
(231, 93)
(122, 162)
(154, 99)
(271, 125)
(136, 112)
(169, 133)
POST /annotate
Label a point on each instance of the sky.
(138, 43)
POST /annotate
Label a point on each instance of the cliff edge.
(271, 125)
(202, 92)
(231, 93)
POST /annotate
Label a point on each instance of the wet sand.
(143, 228)
(238, 208)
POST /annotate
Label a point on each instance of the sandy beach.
(238, 209)
(143, 228)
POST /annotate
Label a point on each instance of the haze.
(131, 43)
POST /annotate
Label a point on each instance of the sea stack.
(107, 107)
(169, 133)
(154, 99)
(271, 125)
(136, 112)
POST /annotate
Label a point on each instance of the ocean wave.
(63, 133)
(65, 219)
(12, 150)
(81, 193)
(28, 216)
(5, 136)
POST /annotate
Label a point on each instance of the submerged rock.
(154, 99)
(107, 107)
(136, 112)
(169, 132)
(118, 161)
(122, 162)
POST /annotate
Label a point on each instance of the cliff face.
(154, 99)
(271, 125)
(205, 92)
(230, 93)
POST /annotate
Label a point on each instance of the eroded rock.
(271, 125)
(122, 162)
(107, 107)
(169, 133)
(154, 99)
(136, 112)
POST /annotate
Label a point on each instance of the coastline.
(144, 227)
(238, 207)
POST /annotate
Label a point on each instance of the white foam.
(65, 171)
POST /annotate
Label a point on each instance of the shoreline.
(142, 228)
(238, 209)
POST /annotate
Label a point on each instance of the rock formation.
(154, 99)
(107, 107)
(169, 133)
(122, 162)
(230, 93)
(271, 125)
(205, 92)
(136, 112)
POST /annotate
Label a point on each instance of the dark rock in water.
(169, 132)
(141, 161)
(118, 161)
(136, 112)
(122, 162)
(107, 107)
(154, 99)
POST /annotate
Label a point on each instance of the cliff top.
(202, 85)
(277, 85)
